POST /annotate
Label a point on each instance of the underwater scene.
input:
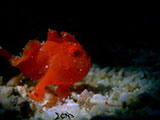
(79, 66)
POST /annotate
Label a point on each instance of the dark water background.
(113, 34)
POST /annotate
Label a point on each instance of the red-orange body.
(61, 61)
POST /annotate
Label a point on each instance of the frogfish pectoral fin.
(38, 92)
(13, 60)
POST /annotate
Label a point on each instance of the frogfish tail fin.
(5, 54)
(13, 60)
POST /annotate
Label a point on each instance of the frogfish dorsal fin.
(54, 36)
(68, 37)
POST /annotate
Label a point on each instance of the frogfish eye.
(75, 53)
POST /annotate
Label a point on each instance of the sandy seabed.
(110, 92)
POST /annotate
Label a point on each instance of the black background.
(113, 34)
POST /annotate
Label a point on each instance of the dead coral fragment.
(50, 98)
(8, 100)
(85, 97)
(15, 80)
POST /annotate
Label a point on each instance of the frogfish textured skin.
(60, 61)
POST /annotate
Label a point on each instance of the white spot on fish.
(75, 61)
(74, 44)
(64, 34)
(80, 70)
(41, 49)
(46, 66)
(33, 92)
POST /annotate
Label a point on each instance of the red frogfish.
(61, 61)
